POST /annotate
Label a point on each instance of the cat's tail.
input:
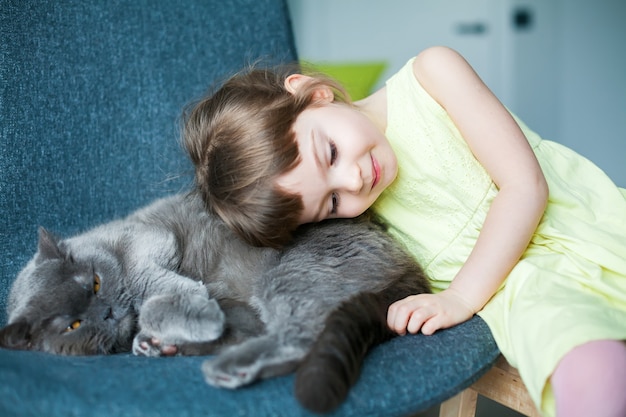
(333, 364)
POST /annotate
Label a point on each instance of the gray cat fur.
(175, 280)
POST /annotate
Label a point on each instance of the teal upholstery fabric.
(401, 377)
(90, 98)
(91, 95)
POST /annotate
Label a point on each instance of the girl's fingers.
(416, 322)
(427, 312)
(393, 320)
(407, 315)
(431, 326)
(396, 320)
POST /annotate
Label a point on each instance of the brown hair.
(240, 140)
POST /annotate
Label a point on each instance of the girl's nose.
(352, 181)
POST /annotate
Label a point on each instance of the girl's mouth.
(375, 172)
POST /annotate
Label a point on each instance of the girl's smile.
(376, 172)
(346, 162)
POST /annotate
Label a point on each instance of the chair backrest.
(91, 95)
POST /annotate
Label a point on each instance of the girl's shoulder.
(443, 73)
(425, 69)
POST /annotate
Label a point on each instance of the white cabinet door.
(360, 30)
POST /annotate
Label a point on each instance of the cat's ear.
(48, 247)
(16, 336)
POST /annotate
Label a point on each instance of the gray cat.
(171, 279)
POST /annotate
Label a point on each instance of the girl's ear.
(295, 81)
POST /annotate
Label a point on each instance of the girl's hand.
(428, 312)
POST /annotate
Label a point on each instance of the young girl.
(522, 231)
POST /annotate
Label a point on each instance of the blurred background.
(560, 65)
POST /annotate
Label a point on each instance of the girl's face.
(346, 162)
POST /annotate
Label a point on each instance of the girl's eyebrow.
(315, 151)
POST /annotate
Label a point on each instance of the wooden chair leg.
(501, 384)
(461, 405)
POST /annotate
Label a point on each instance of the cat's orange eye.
(96, 283)
(75, 325)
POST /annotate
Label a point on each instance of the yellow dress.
(570, 285)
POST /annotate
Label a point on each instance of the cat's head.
(68, 300)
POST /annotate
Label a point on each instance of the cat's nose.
(108, 314)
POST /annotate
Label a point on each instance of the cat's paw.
(242, 364)
(167, 322)
(229, 372)
(153, 347)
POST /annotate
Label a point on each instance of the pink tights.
(591, 380)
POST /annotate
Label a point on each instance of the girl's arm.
(499, 145)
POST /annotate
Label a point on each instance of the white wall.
(592, 82)
(565, 76)
(396, 30)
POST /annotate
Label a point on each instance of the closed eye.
(334, 203)
(333, 152)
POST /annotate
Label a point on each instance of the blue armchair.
(91, 93)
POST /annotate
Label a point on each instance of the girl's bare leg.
(591, 380)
